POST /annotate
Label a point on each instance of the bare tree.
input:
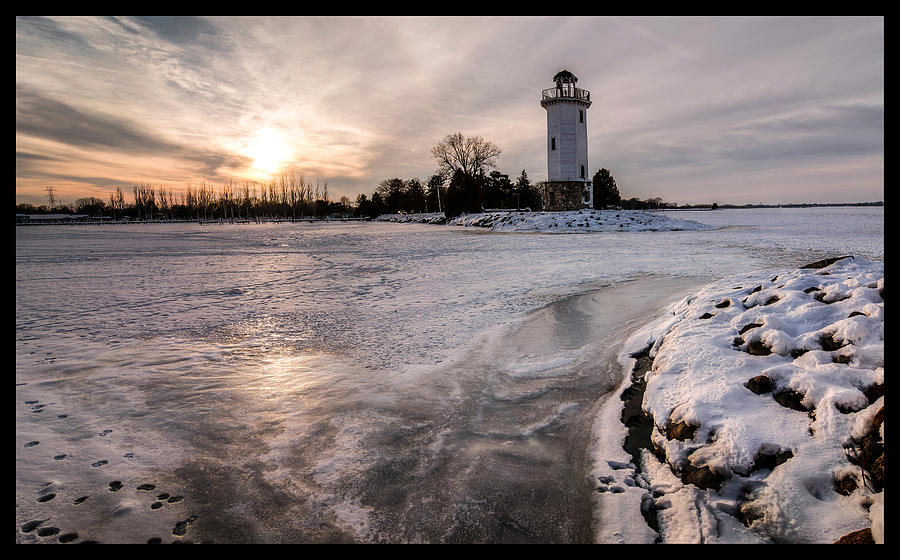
(245, 199)
(294, 194)
(138, 200)
(204, 197)
(469, 155)
(117, 202)
(163, 202)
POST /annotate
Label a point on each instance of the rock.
(750, 512)
(873, 393)
(829, 344)
(842, 359)
(846, 485)
(749, 326)
(702, 477)
(868, 452)
(826, 262)
(877, 471)
(760, 384)
(757, 348)
(879, 417)
(845, 408)
(771, 460)
(681, 431)
(791, 399)
(863, 536)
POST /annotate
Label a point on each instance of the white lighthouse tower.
(568, 186)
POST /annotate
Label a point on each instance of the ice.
(399, 382)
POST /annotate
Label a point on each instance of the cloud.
(821, 132)
(48, 119)
(181, 30)
(360, 99)
(40, 116)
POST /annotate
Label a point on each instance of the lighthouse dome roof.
(565, 77)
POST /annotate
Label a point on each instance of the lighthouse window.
(580, 116)
(553, 143)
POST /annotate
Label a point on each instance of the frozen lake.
(346, 382)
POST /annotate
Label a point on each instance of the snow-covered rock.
(776, 458)
(575, 221)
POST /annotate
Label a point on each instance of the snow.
(422, 218)
(700, 367)
(575, 221)
(303, 355)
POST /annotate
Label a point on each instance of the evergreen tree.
(527, 195)
(497, 190)
(393, 194)
(415, 196)
(605, 191)
(464, 194)
(377, 207)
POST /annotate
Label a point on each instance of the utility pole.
(50, 190)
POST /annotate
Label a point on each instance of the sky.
(692, 110)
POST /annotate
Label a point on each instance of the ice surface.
(355, 382)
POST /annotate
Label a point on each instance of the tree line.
(466, 181)
(288, 196)
(462, 193)
(462, 183)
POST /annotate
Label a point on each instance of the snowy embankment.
(564, 222)
(422, 218)
(766, 397)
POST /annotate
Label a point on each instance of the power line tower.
(50, 195)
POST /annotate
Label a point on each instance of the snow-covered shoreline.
(762, 388)
(575, 221)
(358, 357)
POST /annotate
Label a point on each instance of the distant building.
(568, 186)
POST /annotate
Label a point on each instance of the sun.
(269, 151)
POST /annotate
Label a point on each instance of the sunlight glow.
(269, 151)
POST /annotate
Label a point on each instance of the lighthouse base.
(566, 195)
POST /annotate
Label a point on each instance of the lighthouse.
(568, 186)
